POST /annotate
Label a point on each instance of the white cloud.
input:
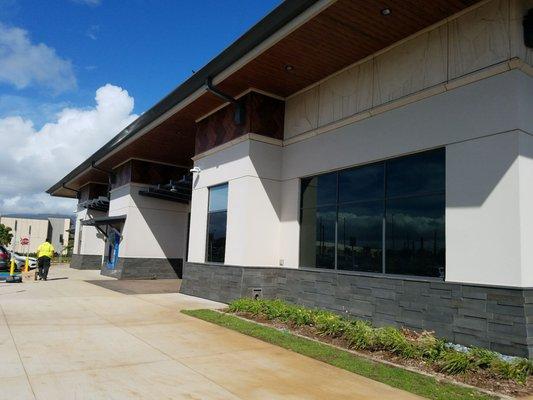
(34, 159)
(23, 63)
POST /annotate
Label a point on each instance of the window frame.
(384, 200)
(209, 213)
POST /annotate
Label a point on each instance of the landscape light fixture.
(386, 11)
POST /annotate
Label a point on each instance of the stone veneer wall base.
(86, 261)
(145, 268)
(498, 318)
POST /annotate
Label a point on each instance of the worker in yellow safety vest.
(45, 253)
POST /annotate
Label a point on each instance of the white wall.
(198, 229)
(483, 221)
(489, 215)
(154, 228)
(92, 241)
(525, 165)
(252, 169)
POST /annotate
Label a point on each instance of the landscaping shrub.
(483, 358)
(361, 335)
(327, 323)
(430, 347)
(301, 316)
(518, 369)
(455, 362)
(394, 340)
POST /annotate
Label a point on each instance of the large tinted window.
(318, 243)
(360, 184)
(417, 174)
(216, 223)
(319, 190)
(360, 236)
(384, 217)
(415, 235)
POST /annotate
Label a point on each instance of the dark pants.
(44, 265)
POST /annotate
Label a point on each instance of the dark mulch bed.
(481, 378)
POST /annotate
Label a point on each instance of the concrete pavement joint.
(164, 353)
(18, 352)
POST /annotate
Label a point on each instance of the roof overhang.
(274, 21)
(315, 38)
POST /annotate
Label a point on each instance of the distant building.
(37, 230)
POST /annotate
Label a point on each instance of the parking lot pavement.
(73, 338)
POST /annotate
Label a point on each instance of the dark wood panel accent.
(93, 191)
(267, 115)
(154, 174)
(140, 171)
(220, 127)
(122, 175)
(264, 116)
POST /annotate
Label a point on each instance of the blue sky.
(75, 72)
(144, 46)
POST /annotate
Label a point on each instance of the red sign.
(24, 241)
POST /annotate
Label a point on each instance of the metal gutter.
(269, 25)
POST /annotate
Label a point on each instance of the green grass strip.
(399, 378)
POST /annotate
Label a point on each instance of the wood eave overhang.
(342, 33)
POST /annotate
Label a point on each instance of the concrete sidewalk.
(70, 339)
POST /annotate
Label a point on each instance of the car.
(4, 259)
(20, 261)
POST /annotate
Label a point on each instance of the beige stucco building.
(373, 161)
(37, 230)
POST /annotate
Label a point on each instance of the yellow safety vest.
(45, 250)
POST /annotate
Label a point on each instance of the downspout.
(239, 105)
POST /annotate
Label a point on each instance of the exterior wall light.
(195, 170)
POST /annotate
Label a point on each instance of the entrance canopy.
(100, 222)
(104, 221)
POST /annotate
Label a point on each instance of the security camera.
(195, 170)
